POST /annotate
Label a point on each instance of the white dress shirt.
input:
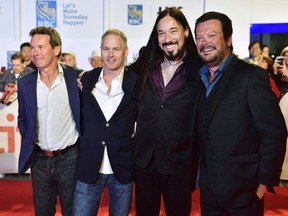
(56, 128)
(108, 103)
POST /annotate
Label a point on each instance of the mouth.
(207, 49)
(169, 46)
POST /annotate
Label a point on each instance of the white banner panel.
(10, 139)
(80, 24)
(137, 18)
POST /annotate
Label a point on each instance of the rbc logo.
(9, 55)
(46, 13)
(135, 14)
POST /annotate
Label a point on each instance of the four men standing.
(225, 111)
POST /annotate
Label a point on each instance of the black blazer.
(116, 134)
(164, 130)
(244, 135)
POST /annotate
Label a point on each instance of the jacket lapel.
(220, 88)
(31, 94)
(128, 86)
(73, 93)
(90, 84)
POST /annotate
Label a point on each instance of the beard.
(174, 55)
(214, 60)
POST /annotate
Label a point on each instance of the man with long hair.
(163, 148)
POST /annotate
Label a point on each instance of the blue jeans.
(52, 176)
(87, 197)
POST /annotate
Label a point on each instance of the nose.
(205, 40)
(168, 37)
(111, 52)
(34, 52)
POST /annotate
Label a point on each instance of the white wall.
(17, 17)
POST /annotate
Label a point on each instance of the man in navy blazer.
(49, 123)
(108, 114)
(240, 129)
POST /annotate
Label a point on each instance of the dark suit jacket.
(164, 130)
(242, 135)
(116, 133)
(27, 112)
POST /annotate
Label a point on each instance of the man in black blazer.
(240, 129)
(109, 109)
(163, 140)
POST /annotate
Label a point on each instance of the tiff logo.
(9, 131)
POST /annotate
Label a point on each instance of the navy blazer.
(116, 134)
(27, 112)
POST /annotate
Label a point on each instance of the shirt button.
(107, 124)
(162, 106)
(103, 142)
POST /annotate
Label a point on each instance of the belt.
(57, 153)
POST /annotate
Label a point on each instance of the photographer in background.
(9, 79)
(280, 70)
(12, 75)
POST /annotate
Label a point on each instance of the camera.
(280, 60)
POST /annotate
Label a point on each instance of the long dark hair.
(145, 64)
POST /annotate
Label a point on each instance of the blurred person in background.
(281, 70)
(266, 63)
(255, 50)
(265, 50)
(96, 59)
(13, 74)
(25, 49)
(69, 58)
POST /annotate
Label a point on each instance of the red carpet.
(16, 200)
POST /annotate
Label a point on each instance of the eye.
(174, 31)
(160, 34)
(199, 37)
(212, 35)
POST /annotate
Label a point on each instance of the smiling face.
(114, 52)
(69, 60)
(171, 38)
(255, 50)
(210, 42)
(96, 61)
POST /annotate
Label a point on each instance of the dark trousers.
(175, 190)
(211, 207)
(52, 176)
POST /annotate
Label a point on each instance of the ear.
(186, 32)
(229, 41)
(57, 50)
(126, 52)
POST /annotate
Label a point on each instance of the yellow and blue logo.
(9, 55)
(46, 13)
(135, 14)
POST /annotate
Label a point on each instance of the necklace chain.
(171, 64)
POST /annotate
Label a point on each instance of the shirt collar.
(61, 73)
(119, 78)
(204, 70)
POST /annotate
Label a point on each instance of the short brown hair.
(55, 39)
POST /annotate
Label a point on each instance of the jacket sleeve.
(270, 125)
